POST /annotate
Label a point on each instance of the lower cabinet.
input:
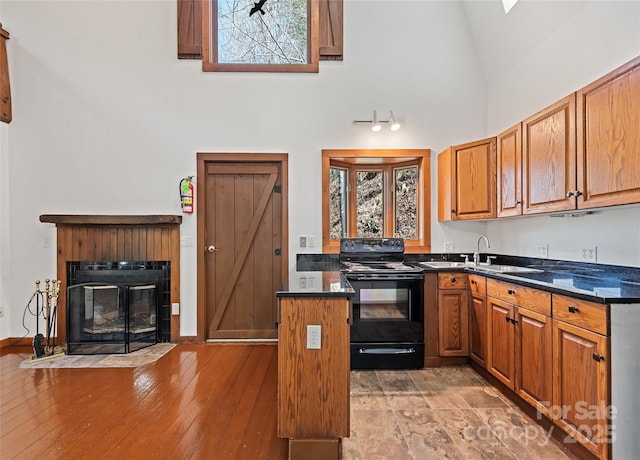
(581, 398)
(501, 344)
(478, 326)
(453, 333)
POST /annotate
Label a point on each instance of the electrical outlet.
(449, 246)
(311, 241)
(543, 250)
(590, 254)
(175, 308)
(313, 336)
(46, 242)
(186, 241)
(303, 282)
(303, 241)
(311, 282)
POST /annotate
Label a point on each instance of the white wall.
(107, 119)
(596, 39)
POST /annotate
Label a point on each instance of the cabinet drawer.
(581, 313)
(478, 284)
(523, 296)
(452, 281)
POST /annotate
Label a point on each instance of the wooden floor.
(199, 401)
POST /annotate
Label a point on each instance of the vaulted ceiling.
(503, 39)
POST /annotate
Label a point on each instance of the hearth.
(117, 306)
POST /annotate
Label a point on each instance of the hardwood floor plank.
(199, 400)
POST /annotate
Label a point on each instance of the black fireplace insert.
(117, 306)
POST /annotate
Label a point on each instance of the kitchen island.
(313, 366)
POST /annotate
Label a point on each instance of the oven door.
(387, 310)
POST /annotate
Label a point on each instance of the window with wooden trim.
(190, 36)
(376, 193)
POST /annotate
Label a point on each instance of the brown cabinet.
(549, 158)
(478, 326)
(313, 384)
(580, 393)
(520, 341)
(608, 143)
(467, 181)
(534, 368)
(453, 334)
(5, 87)
(509, 183)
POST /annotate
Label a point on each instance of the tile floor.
(436, 413)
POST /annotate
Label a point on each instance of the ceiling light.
(375, 124)
(394, 124)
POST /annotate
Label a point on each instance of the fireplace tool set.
(44, 346)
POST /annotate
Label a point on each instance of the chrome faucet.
(476, 255)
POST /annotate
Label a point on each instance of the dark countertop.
(594, 282)
(330, 283)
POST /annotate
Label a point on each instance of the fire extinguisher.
(186, 195)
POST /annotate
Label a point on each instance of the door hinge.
(277, 251)
(277, 189)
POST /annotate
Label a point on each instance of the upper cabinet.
(510, 172)
(549, 158)
(5, 88)
(608, 141)
(467, 181)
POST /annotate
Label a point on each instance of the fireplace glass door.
(110, 318)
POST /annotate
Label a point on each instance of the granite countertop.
(329, 283)
(595, 282)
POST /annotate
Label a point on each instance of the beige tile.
(401, 391)
(525, 438)
(471, 435)
(379, 436)
(437, 393)
(425, 435)
(482, 397)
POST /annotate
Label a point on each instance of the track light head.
(394, 124)
(375, 124)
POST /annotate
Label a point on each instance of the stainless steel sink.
(505, 269)
(444, 264)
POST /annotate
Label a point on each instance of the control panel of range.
(372, 245)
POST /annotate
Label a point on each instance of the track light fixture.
(376, 124)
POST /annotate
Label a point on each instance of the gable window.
(261, 36)
(376, 193)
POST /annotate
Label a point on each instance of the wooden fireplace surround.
(111, 237)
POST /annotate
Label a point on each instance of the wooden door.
(580, 392)
(474, 180)
(453, 322)
(534, 359)
(243, 248)
(478, 328)
(609, 139)
(500, 354)
(549, 158)
(509, 182)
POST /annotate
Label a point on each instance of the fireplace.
(117, 306)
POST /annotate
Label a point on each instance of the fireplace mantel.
(93, 219)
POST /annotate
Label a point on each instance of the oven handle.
(387, 277)
(386, 351)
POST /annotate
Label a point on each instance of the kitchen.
(134, 112)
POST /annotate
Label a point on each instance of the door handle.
(211, 248)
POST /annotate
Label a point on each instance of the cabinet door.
(453, 332)
(473, 182)
(609, 139)
(313, 384)
(500, 352)
(534, 359)
(580, 392)
(549, 158)
(509, 181)
(5, 87)
(478, 328)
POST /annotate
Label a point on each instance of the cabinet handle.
(573, 309)
(514, 321)
(508, 319)
(511, 292)
(453, 211)
(518, 203)
(473, 282)
(575, 193)
(598, 357)
(453, 280)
